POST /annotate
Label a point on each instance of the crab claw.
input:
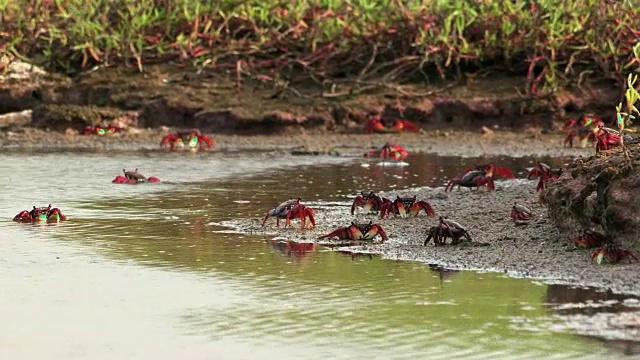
(375, 125)
(404, 125)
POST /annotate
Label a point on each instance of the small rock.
(486, 131)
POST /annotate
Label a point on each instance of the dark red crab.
(589, 239)
(377, 125)
(102, 130)
(388, 151)
(608, 138)
(368, 202)
(291, 209)
(193, 139)
(134, 178)
(521, 213)
(446, 229)
(611, 253)
(545, 173)
(355, 232)
(482, 175)
(406, 207)
(585, 129)
(42, 215)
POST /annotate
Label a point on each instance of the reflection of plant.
(624, 118)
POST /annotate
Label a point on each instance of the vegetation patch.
(356, 44)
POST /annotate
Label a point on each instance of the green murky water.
(146, 271)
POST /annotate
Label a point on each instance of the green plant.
(631, 97)
(553, 43)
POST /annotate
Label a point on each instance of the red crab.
(376, 125)
(134, 177)
(406, 207)
(41, 215)
(355, 232)
(482, 175)
(389, 151)
(446, 229)
(585, 129)
(611, 253)
(521, 213)
(589, 239)
(545, 173)
(101, 130)
(608, 138)
(193, 138)
(368, 202)
(291, 209)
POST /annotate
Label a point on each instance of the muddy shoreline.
(441, 142)
(536, 250)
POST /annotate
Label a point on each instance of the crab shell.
(589, 239)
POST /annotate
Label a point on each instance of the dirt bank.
(599, 192)
(536, 250)
(166, 95)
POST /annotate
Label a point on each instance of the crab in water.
(102, 130)
(611, 253)
(355, 232)
(406, 207)
(368, 202)
(291, 209)
(194, 139)
(134, 177)
(545, 173)
(520, 213)
(388, 151)
(42, 215)
(589, 239)
(376, 125)
(446, 228)
(585, 129)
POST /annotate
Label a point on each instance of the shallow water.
(146, 271)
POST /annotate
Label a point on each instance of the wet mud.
(450, 143)
(533, 250)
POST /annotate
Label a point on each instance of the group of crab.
(482, 176)
(49, 215)
(590, 129)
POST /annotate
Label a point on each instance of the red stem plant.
(553, 42)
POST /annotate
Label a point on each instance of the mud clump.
(599, 192)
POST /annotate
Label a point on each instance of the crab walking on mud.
(41, 215)
(406, 207)
(611, 253)
(355, 232)
(376, 125)
(520, 213)
(585, 129)
(193, 139)
(369, 203)
(291, 209)
(444, 230)
(482, 175)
